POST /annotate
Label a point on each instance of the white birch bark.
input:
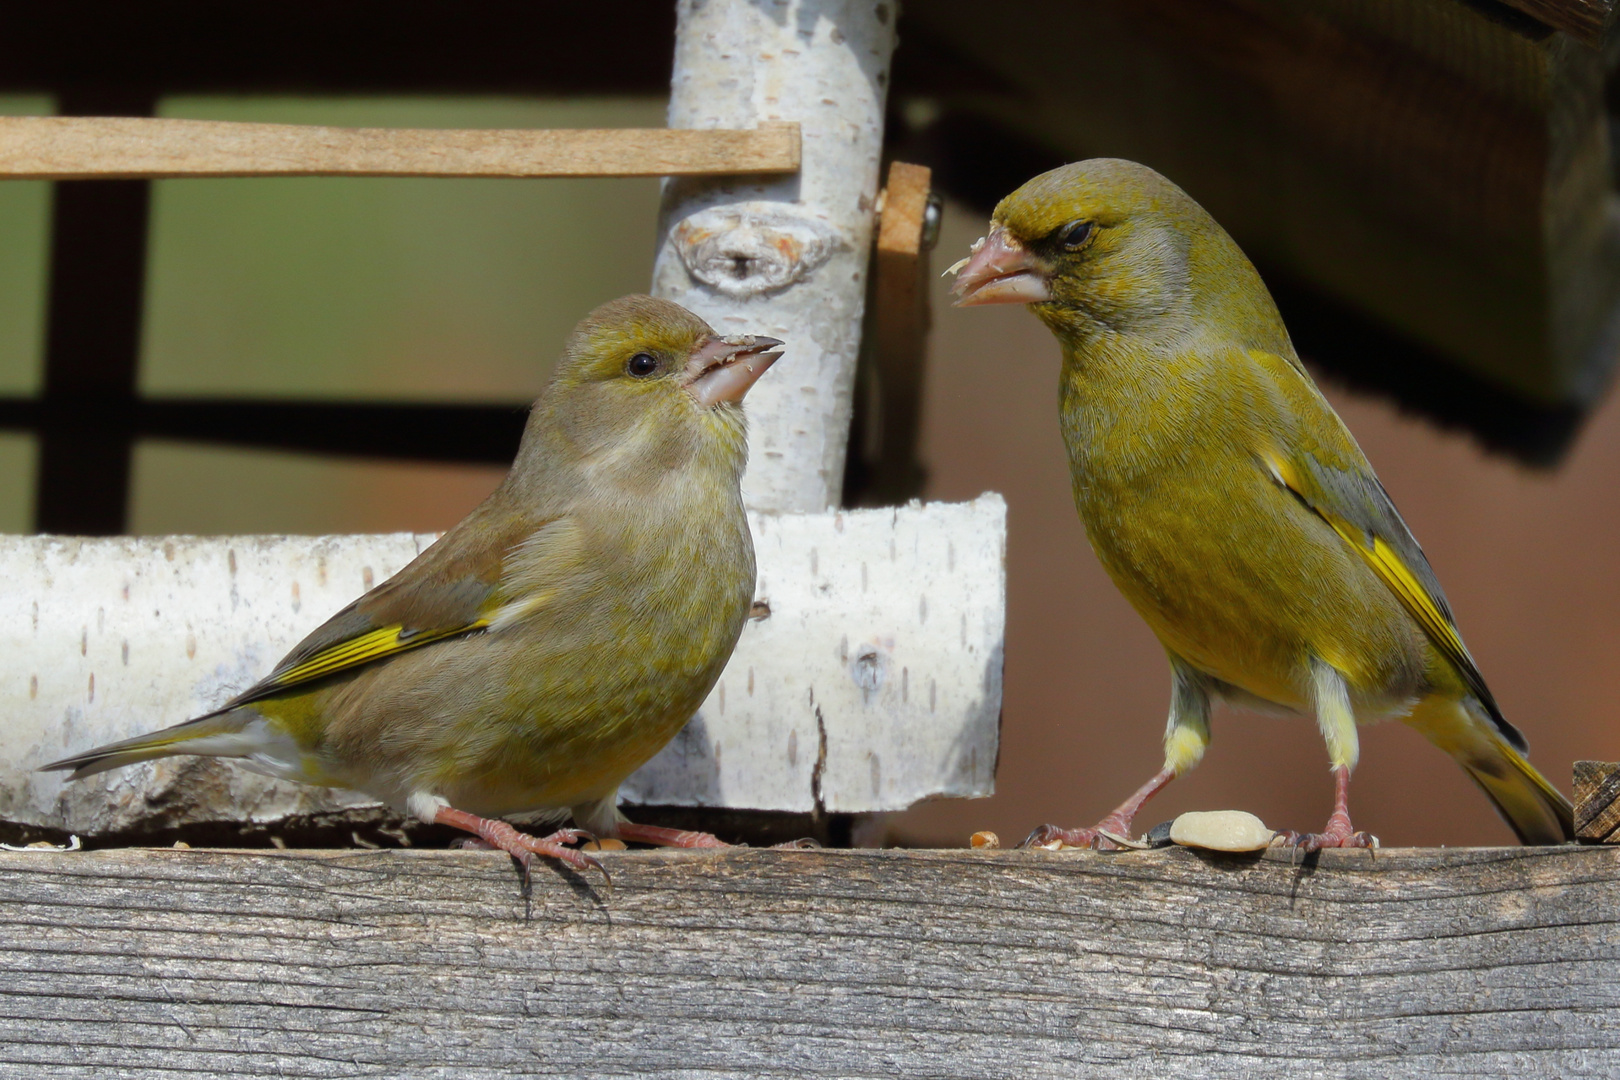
(783, 256)
(874, 682)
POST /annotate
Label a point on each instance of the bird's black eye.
(1074, 235)
(641, 365)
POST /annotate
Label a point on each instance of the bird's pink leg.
(1118, 822)
(1338, 832)
(520, 845)
(659, 836)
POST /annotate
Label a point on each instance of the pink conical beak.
(723, 369)
(1000, 271)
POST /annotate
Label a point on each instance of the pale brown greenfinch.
(557, 637)
(1226, 498)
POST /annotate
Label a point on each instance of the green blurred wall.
(364, 289)
(24, 206)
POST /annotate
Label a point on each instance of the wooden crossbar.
(106, 147)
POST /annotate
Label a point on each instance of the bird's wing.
(1333, 480)
(458, 586)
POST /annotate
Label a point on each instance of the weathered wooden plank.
(1597, 801)
(1460, 963)
(78, 148)
(870, 678)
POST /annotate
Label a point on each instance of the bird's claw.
(1099, 838)
(522, 847)
(1309, 843)
(579, 860)
(596, 864)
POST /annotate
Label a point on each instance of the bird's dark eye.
(1074, 235)
(641, 365)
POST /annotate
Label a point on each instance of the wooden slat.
(750, 963)
(905, 205)
(76, 148)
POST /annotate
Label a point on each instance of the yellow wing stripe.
(1411, 592)
(1394, 573)
(372, 645)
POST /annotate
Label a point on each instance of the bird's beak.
(999, 271)
(723, 369)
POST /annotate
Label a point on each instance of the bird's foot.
(561, 836)
(523, 847)
(1338, 834)
(1113, 832)
(1110, 834)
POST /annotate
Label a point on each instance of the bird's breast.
(1229, 571)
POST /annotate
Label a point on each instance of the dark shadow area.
(370, 827)
(404, 431)
(359, 46)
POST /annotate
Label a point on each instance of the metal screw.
(932, 213)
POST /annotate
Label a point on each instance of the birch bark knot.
(748, 249)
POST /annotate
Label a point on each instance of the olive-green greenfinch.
(1226, 498)
(557, 637)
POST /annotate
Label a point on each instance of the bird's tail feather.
(179, 739)
(1535, 810)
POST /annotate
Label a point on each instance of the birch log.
(870, 679)
(783, 256)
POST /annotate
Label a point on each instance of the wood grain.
(1475, 962)
(1597, 801)
(69, 148)
(905, 204)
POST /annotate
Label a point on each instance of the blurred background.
(1426, 185)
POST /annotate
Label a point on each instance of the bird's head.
(645, 385)
(1108, 245)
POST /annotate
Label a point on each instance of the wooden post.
(785, 257)
(897, 337)
(1597, 801)
(95, 300)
